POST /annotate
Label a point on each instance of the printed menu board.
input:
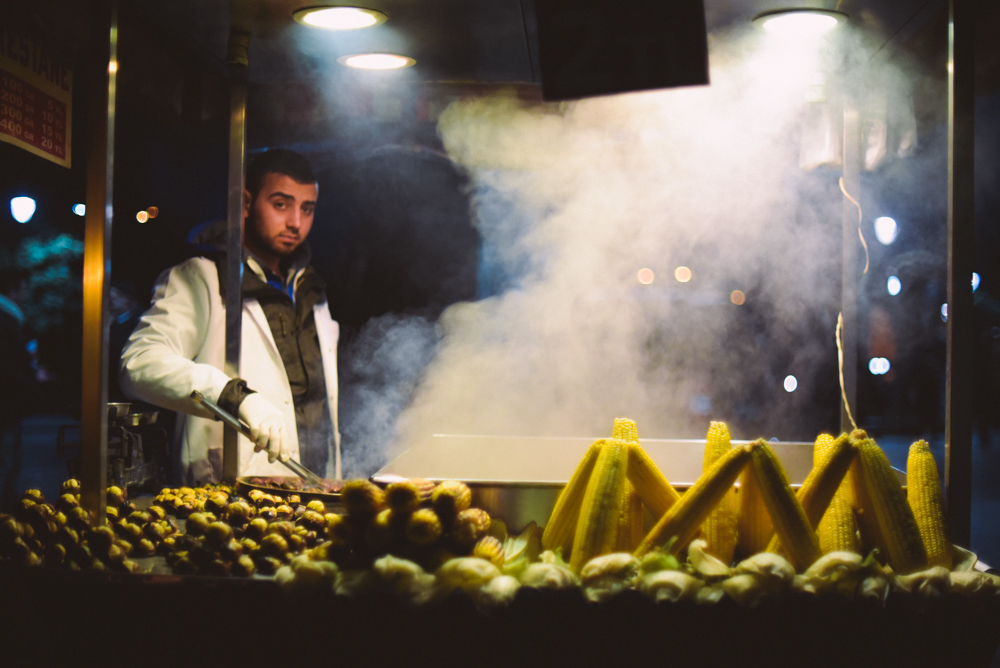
(36, 98)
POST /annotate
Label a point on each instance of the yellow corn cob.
(825, 478)
(753, 524)
(597, 525)
(625, 430)
(719, 529)
(656, 492)
(630, 531)
(923, 493)
(685, 517)
(837, 530)
(897, 530)
(791, 526)
(562, 522)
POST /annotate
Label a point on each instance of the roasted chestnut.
(316, 505)
(115, 496)
(34, 495)
(218, 534)
(274, 545)
(196, 524)
(71, 486)
(243, 567)
(67, 502)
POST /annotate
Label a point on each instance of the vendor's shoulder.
(198, 269)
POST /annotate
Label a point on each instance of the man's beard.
(257, 240)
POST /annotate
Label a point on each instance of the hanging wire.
(840, 366)
(861, 234)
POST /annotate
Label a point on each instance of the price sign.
(36, 98)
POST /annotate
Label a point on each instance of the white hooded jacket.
(179, 346)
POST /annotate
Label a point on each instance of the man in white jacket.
(286, 391)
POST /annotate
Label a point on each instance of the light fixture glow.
(737, 297)
(886, 230)
(645, 276)
(339, 18)
(682, 274)
(142, 216)
(22, 208)
(376, 61)
(80, 209)
(791, 383)
(799, 22)
(879, 366)
(975, 281)
(893, 286)
(944, 312)
(153, 212)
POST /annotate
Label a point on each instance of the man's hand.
(267, 426)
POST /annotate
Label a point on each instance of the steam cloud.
(573, 199)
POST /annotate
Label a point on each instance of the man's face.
(279, 217)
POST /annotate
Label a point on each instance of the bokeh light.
(737, 297)
(376, 61)
(886, 230)
(22, 208)
(879, 366)
(791, 383)
(682, 274)
(80, 209)
(975, 281)
(893, 285)
(645, 276)
(142, 216)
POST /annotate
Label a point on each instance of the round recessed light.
(339, 18)
(376, 61)
(799, 22)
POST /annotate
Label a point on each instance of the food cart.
(538, 626)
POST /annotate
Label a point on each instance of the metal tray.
(245, 484)
(518, 478)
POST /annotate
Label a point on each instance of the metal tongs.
(232, 421)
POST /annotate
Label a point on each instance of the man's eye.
(278, 204)
(308, 210)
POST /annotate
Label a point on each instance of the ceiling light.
(376, 61)
(22, 208)
(339, 18)
(799, 22)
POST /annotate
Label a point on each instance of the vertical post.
(849, 276)
(101, 75)
(236, 58)
(961, 235)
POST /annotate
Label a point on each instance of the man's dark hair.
(278, 161)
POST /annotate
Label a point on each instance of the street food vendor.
(286, 391)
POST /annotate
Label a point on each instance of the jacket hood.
(210, 239)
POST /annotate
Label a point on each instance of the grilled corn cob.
(719, 529)
(791, 525)
(754, 528)
(896, 526)
(923, 493)
(630, 531)
(656, 492)
(597, 526)
(562, 522)
(685, 517)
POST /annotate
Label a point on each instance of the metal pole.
(961, 236)
(102, 69)
(236, 58)
(850, 269)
